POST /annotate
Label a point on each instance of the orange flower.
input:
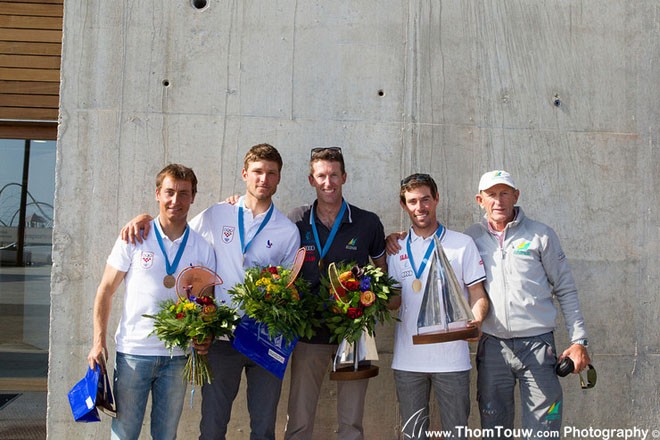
(345, 276)
(294, 293)
(367, 298)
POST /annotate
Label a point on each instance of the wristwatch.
(583, 342)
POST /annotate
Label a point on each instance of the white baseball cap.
(492, 178)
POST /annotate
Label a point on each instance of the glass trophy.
(346, 364)
(445, 313)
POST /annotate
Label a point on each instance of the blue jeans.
(263, 394)
(452, 392)
(530, 362)
(137, 376)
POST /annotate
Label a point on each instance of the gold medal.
(321, 264)
(169, 281)
(417, 285)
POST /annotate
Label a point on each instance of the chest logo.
(228, 234)
(523, 248)
(147, 259)
(352, 244)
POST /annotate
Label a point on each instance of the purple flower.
(365, 283)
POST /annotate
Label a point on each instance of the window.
(27, 186)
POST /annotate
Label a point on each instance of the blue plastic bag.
(91, 393)
(82, 397)
(251, 338)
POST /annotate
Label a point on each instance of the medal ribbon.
(171, 268)
(241, 226)
(333, 232)
(429, 249)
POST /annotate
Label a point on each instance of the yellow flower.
(188, 306)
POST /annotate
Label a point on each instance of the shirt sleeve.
(393, 267)
(121, 255)
(377, 246)
(294, 245)
(202, 223)
(473, 266)
(560, 276)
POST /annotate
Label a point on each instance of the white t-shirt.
(468, 267)
(144, 265)
(276, 244)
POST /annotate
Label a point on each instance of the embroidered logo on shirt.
(269, 244)
(403, 257)
(228, 234)
(352, 244)
(147, 259)
(522, 248)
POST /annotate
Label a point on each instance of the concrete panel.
(449, 87)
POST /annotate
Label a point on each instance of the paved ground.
(24, 418)
(24, 300)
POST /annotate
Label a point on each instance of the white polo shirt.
(468, 267)
(276, 244)
(144, 265)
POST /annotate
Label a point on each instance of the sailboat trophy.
(358, 300)
(346, 364)
(444, 314)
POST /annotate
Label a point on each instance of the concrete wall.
(563, 94)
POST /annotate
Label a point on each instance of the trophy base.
(471, 331)
(349, 373)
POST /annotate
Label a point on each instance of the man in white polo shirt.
(143, 365)
(443, 366)
(249, 233)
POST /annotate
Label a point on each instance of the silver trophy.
(445, 313)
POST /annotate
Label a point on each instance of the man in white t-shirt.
(249, 233)
(443, 366)
(143, 365)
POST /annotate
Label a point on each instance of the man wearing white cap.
(525, 266)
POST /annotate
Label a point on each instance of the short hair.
(415, 181)
(178, 172)
(262, 152)
(329, 154)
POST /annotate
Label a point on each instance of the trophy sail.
(444, 313)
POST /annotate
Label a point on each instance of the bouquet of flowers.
(357, 298)
(196, 318)
(272, 296)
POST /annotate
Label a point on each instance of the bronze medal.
(417, 285)
(169, 281)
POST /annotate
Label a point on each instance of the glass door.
(27, 186)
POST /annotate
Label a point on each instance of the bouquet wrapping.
(278, 311)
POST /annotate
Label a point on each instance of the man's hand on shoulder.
(392, 242)
(131, 232)
(232, 200)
